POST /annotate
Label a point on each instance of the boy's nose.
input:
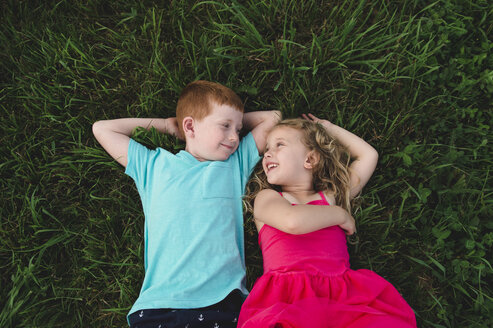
(234, 136)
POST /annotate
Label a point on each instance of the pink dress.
(307, 282)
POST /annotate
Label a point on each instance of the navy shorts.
(220, 315)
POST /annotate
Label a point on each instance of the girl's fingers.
(313, 117)
(309, 117)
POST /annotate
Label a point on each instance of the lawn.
(413, 78)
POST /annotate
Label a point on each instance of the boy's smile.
(216, 136)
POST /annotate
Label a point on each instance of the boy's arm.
(364, 157)
(259, 123)
(114, 135)
(273, 209)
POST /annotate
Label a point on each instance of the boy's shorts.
(220, 315)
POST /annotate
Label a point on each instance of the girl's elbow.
(374, 156)
(375, 153)
(370, 156)
(292, 225)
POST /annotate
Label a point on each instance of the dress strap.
(323, 197)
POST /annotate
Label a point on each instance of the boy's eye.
(226, 125)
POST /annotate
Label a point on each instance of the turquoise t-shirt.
(193, 232)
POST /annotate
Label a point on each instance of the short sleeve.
(138, 158)
(248, 156)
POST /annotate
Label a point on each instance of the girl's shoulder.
(268, 193)
(329, 196)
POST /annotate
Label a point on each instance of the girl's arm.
(364, 157)
(273, 209)
(114, 135)
(260, 123)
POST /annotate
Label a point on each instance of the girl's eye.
(279, 144)
(226, 125)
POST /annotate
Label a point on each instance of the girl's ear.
(188, 127)
(311, 160)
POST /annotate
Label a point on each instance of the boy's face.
(216, 136)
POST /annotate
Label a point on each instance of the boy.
(194, 252)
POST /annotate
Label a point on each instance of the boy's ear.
(311, 160)
(188, 125)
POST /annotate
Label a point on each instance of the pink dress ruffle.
(307, 282)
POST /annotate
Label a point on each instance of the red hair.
(197, 98)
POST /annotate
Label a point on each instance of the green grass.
(413, 78)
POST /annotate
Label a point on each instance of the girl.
(307, 281)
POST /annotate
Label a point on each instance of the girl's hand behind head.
(312, 118)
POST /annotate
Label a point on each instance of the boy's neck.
(198, 158)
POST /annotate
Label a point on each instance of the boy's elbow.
(96, 126)
(275, 117)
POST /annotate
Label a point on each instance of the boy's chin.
(220, 157)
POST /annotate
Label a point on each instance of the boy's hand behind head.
(173, 129)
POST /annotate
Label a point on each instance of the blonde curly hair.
(330, 173)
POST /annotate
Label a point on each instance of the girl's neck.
(301, 195)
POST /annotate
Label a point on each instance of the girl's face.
(286, 158)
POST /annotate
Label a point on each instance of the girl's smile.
(270, 166)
